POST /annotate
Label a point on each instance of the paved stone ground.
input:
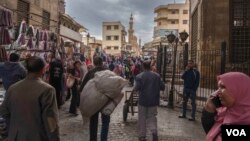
(170, 127)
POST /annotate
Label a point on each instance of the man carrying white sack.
(93, 125)
(148, 84)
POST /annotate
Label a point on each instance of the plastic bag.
(70, 82)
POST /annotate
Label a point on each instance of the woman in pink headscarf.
(232, 106)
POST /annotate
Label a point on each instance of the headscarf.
(238, 86)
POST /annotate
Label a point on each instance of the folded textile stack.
(102, 92)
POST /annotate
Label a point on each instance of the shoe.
(142, 139)
(191, 119)
(182, 116)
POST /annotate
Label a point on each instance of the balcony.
(70, 34)
(160, 17)
(160, 8)
(173, 16)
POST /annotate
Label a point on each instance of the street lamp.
(89, 49)
(172, 38)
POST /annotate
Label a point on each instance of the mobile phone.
(216, 101)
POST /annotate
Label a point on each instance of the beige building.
(170, 18)
(39, 13)
(113, 35)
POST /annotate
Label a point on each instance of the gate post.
(185, 56)
(223, 57)
(164, 63)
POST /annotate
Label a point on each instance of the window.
(116, 37)
(108, 27)
(116, 27)
(46, 19)
(172, 22)
(116, 47)
(159, 23)
(174, 11)
(185, 21)
(109, 47)
(23, 11)
(185, 11)
(108, 37)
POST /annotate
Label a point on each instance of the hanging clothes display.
(5, 17)
(5, 39)
(5, 22)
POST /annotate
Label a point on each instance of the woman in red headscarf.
(232, 106)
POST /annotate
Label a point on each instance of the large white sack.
(91, 100)
(110, 107)
(108, 83)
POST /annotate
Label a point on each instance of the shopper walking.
(30, 106)
(148, 84)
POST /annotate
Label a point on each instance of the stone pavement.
(170, 127)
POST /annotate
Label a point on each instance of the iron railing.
(210, 63)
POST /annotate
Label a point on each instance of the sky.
(91, 14)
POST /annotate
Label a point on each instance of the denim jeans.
(189, 93)
(93, 127)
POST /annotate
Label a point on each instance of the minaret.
(130, 30)
(139, 42)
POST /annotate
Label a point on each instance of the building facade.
(42, 14)
(220, 37)
(113, 35)
(213, 22)
(170, 18)
(70, 32)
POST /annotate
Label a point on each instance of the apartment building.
(170, 18)
(113, 35)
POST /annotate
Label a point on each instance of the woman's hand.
(210, 107)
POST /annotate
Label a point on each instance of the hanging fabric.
(5, 17)
(22, 31)
(3, 54)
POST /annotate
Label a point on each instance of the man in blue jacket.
(12, 71)
(191, 79)
(148, 84)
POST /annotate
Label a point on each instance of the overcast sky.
(91, 14)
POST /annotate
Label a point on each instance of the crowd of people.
(37, 88)
(47, 81)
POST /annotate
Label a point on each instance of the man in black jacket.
(93, 125)
(191, 79)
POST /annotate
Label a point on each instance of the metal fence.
(209, 63)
